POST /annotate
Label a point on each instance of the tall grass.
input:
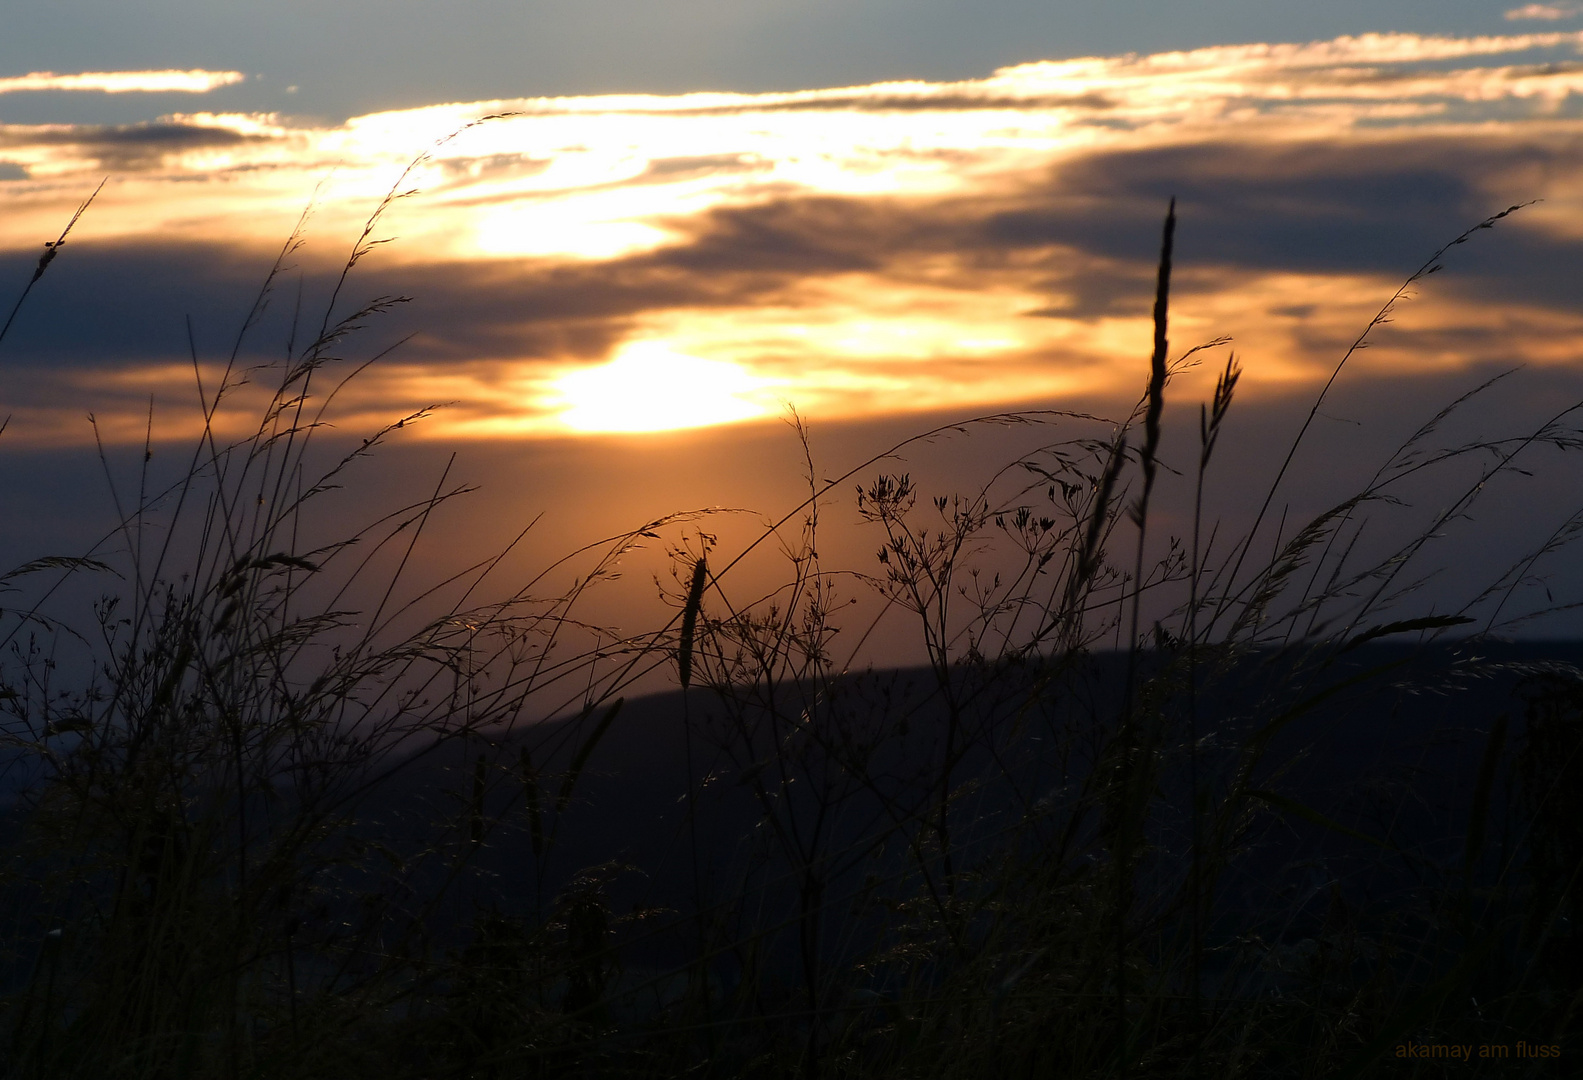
(1023, 859)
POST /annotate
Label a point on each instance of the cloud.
(1549, 12)
(123, 148)
(863, 250)
(195, 81)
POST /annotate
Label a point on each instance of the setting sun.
(650, 388)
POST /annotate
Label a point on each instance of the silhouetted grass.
(287, 824)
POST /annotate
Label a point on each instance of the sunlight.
(539, 229)
(650, 388)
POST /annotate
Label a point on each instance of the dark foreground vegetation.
(1153, 806)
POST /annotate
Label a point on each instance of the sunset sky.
(696, 214)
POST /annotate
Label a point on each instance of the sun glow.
(650, 388)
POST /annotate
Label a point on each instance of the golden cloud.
(579, 263)
(195, 81)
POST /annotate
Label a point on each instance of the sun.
(649, 387)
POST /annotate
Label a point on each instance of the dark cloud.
(1090, 289)
(1320, 206)
(108, 304)
(1087, 239)
(128, 147)
(1345, 206)
(173, 135)
(819, 235)
(125, 305)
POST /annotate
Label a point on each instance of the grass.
(1044, 852)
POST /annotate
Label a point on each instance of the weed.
(1032, 856)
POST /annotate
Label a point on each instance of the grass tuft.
(287, 810)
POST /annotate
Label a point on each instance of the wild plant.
(1009, 642)
(1014, 860)
(194, 869)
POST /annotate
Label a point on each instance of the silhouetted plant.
(1011, 862)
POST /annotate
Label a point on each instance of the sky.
(608, 218)
(335, 60)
